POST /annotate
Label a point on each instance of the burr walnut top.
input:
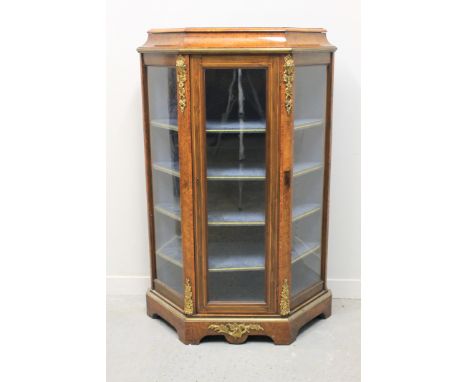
(246, 40)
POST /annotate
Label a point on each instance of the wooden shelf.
(245, 256)
(168, 209)
(171, 168)
(254, 216)
(236, 127)
(247, 265)
(306, 168)
(307, 123)
(304, 210)
(230, 171)
(166, 124)
(172, 251)
(236, 171)
(301, 249)
(234, 256)
(305, 268)
(233, 217)
(302, 278)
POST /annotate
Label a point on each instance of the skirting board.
(138, 285)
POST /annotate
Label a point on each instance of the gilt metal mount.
(284, 302)
(288, 79)
(181, 68)
(234, 329)
(188, 298)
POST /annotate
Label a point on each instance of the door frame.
(197, 82)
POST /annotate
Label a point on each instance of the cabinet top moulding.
(234, 40)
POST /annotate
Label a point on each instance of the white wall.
(127, 23)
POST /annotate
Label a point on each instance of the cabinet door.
(236, 174)
(169, 176)
(309, 167)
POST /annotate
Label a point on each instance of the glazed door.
(235, 127)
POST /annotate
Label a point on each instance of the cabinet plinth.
(237, 127)
(236, 330)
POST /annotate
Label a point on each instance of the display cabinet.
(237, 128)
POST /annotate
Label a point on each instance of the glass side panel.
(309, 118)
(235, 170)
(162, 98)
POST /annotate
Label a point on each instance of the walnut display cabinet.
(237, 126)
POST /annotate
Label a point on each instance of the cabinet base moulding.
(236, 329)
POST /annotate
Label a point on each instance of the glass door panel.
(162, 98)
(235, 130)
(308, 169)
